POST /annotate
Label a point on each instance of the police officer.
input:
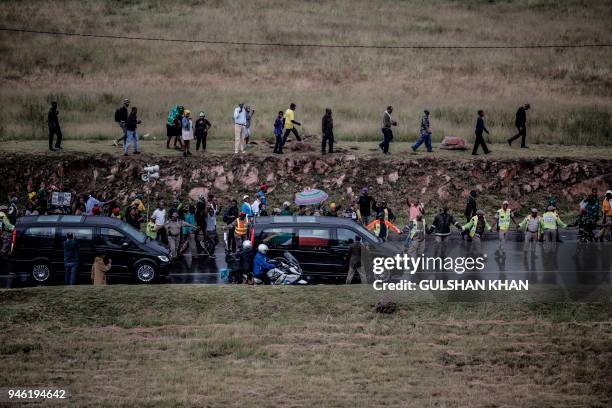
(174, 228)
(503, 217)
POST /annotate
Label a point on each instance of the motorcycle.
(287, 271)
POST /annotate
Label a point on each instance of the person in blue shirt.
(279, 124)
(263, 189)
(261, 264)
(246, 206)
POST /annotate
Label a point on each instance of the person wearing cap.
(503, 217)
(116, 213)
(550, 223)
(532, 227)
(187, 132)
(121, 115)
(425, 133)
(520, 122)
(606, 209)
(240, 122)
(131, 134)
(365, 202)
(246, 207)
(201, 131)
(476, 229)
(381, 226)
(327, 131)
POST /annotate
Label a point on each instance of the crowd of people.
(181, 130)
(190, 227)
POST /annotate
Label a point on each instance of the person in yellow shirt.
(290, 124)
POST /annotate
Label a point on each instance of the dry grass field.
(214, 346)
(569, 89)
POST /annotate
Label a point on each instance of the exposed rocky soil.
(435, 181)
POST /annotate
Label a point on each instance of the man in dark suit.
(520, 122)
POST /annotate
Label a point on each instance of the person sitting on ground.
(101, 265)
(261, 264)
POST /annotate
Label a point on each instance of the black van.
(320, 244)
(37, 247)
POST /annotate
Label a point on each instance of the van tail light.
(13, 239)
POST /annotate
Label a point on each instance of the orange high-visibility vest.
(241, 227)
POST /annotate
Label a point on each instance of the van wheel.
(41, 272)
(145, 272)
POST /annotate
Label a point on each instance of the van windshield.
(136, 235)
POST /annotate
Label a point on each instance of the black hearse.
(37, 247)
(320, 244)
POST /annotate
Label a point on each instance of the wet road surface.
(567, 263)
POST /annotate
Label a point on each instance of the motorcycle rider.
(261, 264)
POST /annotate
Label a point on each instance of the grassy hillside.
(309, 346)
(570, 90)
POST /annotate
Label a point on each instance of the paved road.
(565, 263)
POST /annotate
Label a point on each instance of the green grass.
(569, 90)
(315, 346)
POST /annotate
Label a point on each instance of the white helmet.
(247, 244)
(262, 248)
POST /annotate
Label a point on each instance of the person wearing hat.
(201, 131)
(187, 133)
(425, 133)
(503, 217)
(365, 202)
(246, 206)
(116, 213)
(550, 223)
(121, 115)
(263, 190)
(532, 227)
(476, 229)
(520, 122)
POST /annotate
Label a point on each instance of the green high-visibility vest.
(503, 218)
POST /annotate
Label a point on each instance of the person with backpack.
(121, 116)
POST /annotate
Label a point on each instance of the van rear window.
(313, 237)
(276, 237)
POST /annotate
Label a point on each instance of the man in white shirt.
(240, 122)
(159, 217)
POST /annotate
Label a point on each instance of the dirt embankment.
(434, 181)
